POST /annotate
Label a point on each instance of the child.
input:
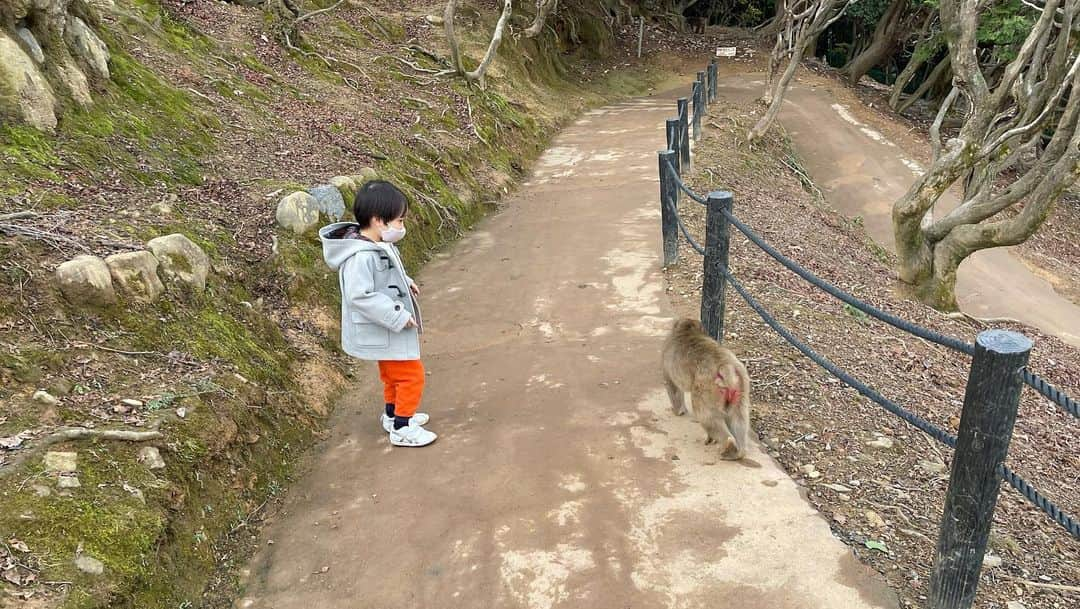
(380, 316)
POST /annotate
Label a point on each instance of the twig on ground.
(1058, 587)
(17, 215)
(307, 16)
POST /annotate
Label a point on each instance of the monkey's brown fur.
(697, 364)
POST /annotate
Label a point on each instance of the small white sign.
(725, 51)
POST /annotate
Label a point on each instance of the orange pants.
(403, 385)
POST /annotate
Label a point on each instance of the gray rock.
(932, 467)
(89, 564)
(151, 457)
(330, 201)
(46, 398)
(298, 212)
(434, 19)
(86, 281)
(1015, 605)
(84, 43)
(181, 260)
(75, 81)
(41, 490)
(882, 442)
(136, 275)
(347, 187)
(840, 488)
(992, 561)
(61, 462)
(24, 87)
(30, 44)
(68, 482)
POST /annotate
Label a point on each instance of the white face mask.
(392, 235)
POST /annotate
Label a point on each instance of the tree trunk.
(777, 21)
(941, 72)
(776, 98)
(889, 31)
(543, 9)
(906, 75)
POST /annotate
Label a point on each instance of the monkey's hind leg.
(738, 423)
(678, 404)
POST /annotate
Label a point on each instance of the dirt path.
(560, 479)
(861, 172)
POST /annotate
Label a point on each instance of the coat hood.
(340, 241)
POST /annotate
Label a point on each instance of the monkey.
(698, 23)
(717, 381)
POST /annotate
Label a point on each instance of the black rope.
(903, 324)
(1051, 393)
(678, 219)
(683, 187)
(933, 431)
(1036, 499)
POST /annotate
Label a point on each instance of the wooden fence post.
(702, 77)
(673, 144)
(684, 133)
(669, 191)
(714, 69)
(699, 108)
(986, 424)
(716, 262)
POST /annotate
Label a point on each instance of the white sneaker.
(412, 435)
(388, 422)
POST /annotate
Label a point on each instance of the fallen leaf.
(876, 545)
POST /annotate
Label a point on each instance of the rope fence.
(996, 379)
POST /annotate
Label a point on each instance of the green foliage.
(868, 12)
(1004, 26)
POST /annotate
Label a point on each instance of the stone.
(68, 482)
(30, 44)
(136, 275)
(180, 260)
(41, 490)
(89, 564)
(46, 398)
(330, 201)
(367, 174)
(76, 82)
(1015, 605)
(61, 462)
(874, 519)
(151, 457)
(86, 44)
(60, 386)
(23, 87)
(992, 561)
(434, 20)
(347, 187)
(840, 488)
(132, 403)
(932, 467)
(298, 212)
(882, 442)
(86, 281)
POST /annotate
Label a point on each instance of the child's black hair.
(379, 199)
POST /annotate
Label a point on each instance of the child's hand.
(410, 324)
(414, 289)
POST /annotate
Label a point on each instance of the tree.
(1033, 95)
(543, 9)
(476, 75)
(893, 27)
(804, 20)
